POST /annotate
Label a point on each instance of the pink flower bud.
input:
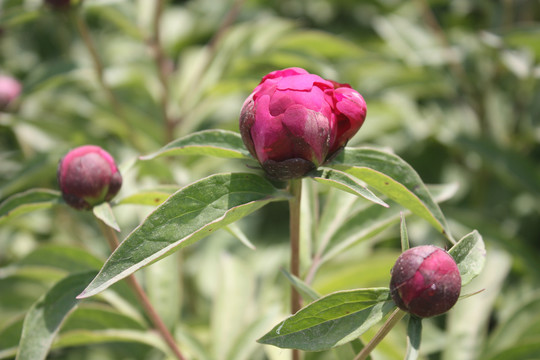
(10, 89)
(295, 121)
(425, 281)
(88, 176)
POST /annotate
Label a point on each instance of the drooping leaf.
(414, 335)
(470, 256)
(219, 143)
(345, 182)
(104, 213)
(332, 320)
(187, 216)
(44, 319)
(31, 200)
(396, 179)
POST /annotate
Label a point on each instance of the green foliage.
(452, 88)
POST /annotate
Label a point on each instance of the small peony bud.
(88, 176)
(10, 90)
(425, 281)
(295, 121)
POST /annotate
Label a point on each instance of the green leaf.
(31, 200)
(304, 289)
(44, 319)
(187, 216)
(332, 320)
(149, 197)
(396, 179)
(235, 231)
(404, 234)
(414, 335)
(219, 143)
(104, 213)
(470, 256)
(345, 182)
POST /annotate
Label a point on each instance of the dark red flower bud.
(88, 176)
(295, 121)
(10, 89)
(425, 281)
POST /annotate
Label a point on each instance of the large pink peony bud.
(88, 176)
(425, 281)
(10, 89)
(295, 121)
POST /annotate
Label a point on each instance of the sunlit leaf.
(187, 216)
(345, 182)
(396, 179)
(104, 213)
(219, 143)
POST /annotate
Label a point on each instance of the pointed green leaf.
(104, 213)
(332, 320)
(304, 289)
(404, 234)
(150, 198)
(44, 319)
(470, 256)
(414, 335)
(396, 179)
(219, 143)
(345, 182)
(31, 200)
(235, 231)
(189, 215)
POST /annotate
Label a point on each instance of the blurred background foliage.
(451, 86)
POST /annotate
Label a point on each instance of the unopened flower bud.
(295, 121)
(425, 281)
(10, 90)
(88, 176)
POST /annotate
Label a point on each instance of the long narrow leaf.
(187, 216)
(44, 319)
(31, 200)
(332, 320)
(396, 179)
(220, 143)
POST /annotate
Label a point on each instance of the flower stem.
(112, 240)
(295, 187)
(396, 316)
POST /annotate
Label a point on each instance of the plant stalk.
(159, 325)
(295, 188)
(396, 316)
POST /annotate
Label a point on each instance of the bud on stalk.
(425, 281)
(88, 176)
(295, 121)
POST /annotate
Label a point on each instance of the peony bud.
(425, 281)
(88, 176)
(10, 90)
(295, 121)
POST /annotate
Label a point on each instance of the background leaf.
(44, 319)
(30, 200)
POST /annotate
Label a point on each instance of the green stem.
(396, 316)
(295, 188)
(160, 326)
